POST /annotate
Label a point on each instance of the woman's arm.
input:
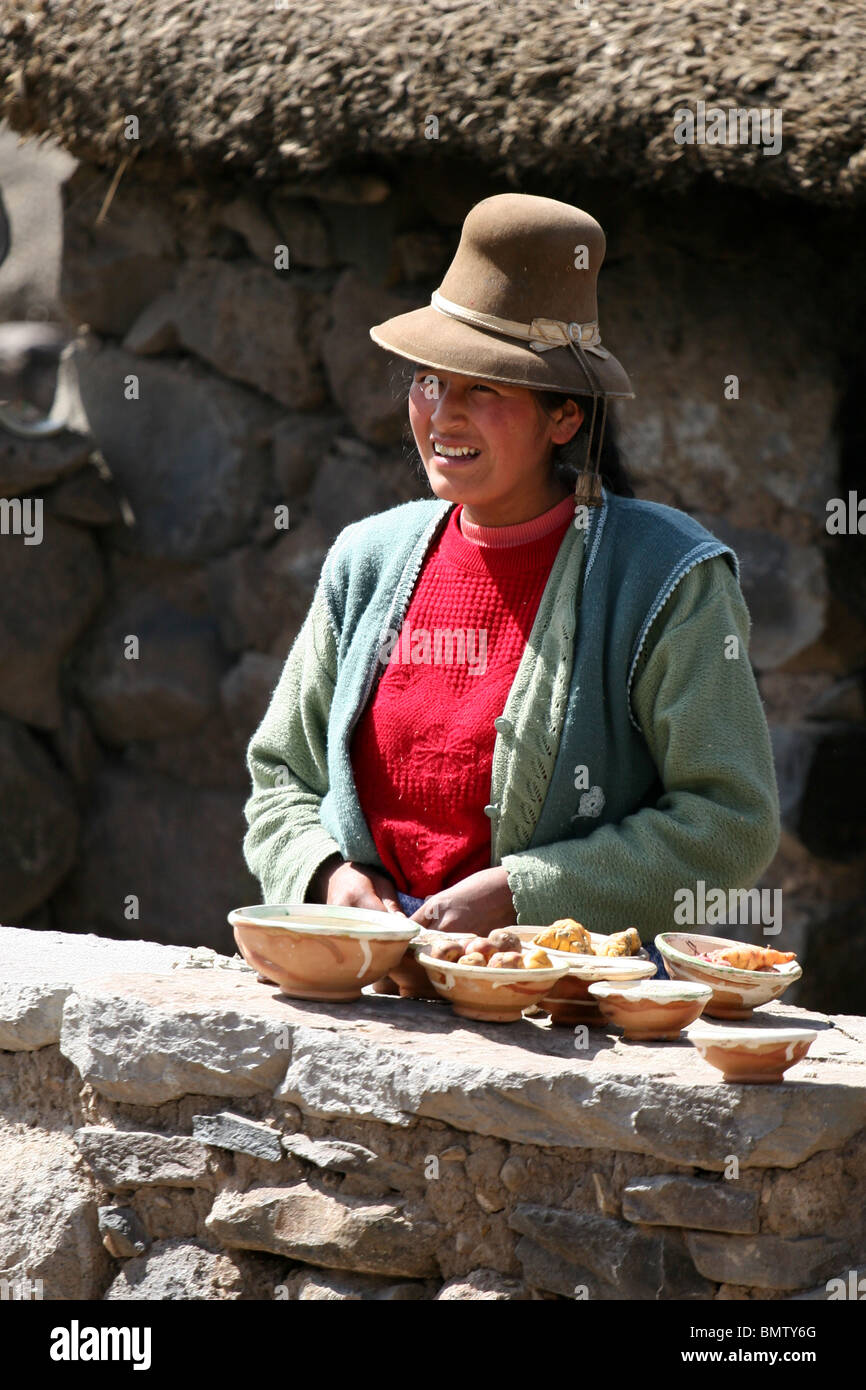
(718, 819)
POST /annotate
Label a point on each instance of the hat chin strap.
(541, 334)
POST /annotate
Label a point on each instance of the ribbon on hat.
(540, 334)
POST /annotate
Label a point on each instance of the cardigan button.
(503, 725)
(491, 811)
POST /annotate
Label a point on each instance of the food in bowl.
(447, 950)
(471, 958)
(736, 992)
(537, 960)
(506, 960)
(505, 939)
(622, 943)
(750, 957)
(494, 995)
(566, 935)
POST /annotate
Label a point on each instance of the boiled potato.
(505, 939)
(446, 950)
(472, 958)
(537, 960)
(506, 960)
(482, 945)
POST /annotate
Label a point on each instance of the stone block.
(335, 1287)
(39, 969)
(254, 326)
(358, 371)
(342, 1156)
(545, 1271)
(48, 1215)
(31, 465)
(303, 230)
(158, 859)
(346, 490)
(322, 1228)
(125, 1159)
(301, 443)
(673, 1200)
(123, 1234)
(764, 1261)
(87, 498)
(48, 594)
(820, 802)
(257, 594)
(638, 1264)
(167, 687)
(193, 1036)
(246, 690)
(179, 1269)
(190, 454)
(38, 823)
(482, 1286)
(236, 1132)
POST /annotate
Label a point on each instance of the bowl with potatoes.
(491, 978)
(591, 957)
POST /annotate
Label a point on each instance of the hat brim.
(436, 340)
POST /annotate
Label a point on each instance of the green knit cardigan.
(632, 758)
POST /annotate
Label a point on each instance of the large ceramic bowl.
(735, 992)
(317, 952)
(570, 1002)
(494, 996)
(650, 1009)
(751, 1054)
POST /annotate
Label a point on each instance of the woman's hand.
(341, 884)
(478, 904)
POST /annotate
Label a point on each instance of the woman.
(586, 737)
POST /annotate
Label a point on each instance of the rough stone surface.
(334, 1287)
(30, 465)
(86, 497)
(218, 1051)
(38, 822)
(356, 367)
(228, 1131)
(40, 968)
(260, 596)
(255, 326)
(639, 1264)
(300, 445)
(321, 1228)
(765, 1262)
(122, 1160)
(48, 594)
(123, 1234)
(167, 687)
(178, 1269)
(246, 690)
(694, 1202)
(48, 1215)
(480, 1286)
(820, 802)
(342, 1156)
(159, 859)
(346, 490)
(190, 454)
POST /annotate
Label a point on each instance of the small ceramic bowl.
(493, 996)
(570, 1002)
(751, 1054)
(650, 1009)
(317, 952)
(735, 992)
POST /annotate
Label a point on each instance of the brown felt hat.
(518, 302)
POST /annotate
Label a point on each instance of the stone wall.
(225, 398)
(253, 1147)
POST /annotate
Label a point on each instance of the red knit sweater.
(423, 749)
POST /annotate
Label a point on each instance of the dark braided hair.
(570, 458)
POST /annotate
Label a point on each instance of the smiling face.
(488, 445)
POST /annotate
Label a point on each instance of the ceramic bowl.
(650, 1009)
(570, 1002)
(317, 952)
(493, 996)
(735, 992)
(751, 1054)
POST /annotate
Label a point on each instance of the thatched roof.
(521, 87)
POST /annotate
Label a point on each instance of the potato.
(505, 939)
(482, 945)
(506, 960)
(537, 960)
(472, 958)
(446, 950)
(566, 935)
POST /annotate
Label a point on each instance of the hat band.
(540, 334)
